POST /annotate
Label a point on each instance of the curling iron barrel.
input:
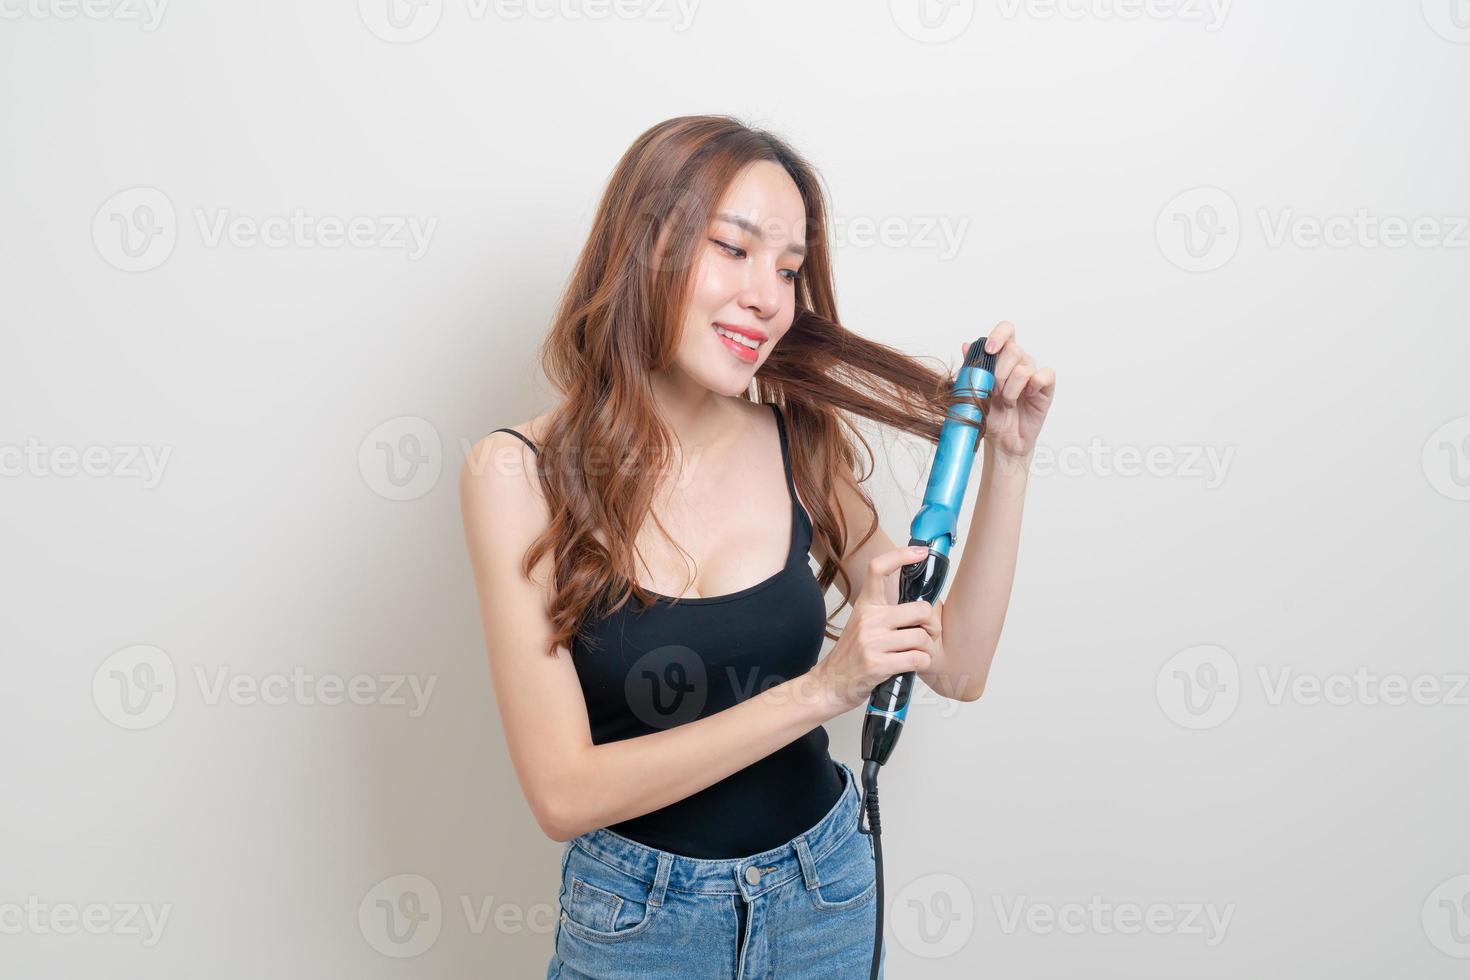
(935, 527)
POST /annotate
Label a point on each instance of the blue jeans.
(801, 911)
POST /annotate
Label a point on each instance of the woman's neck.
(699, 418)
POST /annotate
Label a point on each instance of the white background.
(1056, 141)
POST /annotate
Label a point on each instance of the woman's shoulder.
(502, 463)
(532, 429)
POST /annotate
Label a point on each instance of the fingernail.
(990, 346)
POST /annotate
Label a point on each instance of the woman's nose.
(762, 293)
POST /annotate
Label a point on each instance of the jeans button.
(753, 875)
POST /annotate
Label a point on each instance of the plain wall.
(1256, 469)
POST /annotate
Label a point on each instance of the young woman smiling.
(665, 716)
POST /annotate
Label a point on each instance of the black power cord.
(874, 830)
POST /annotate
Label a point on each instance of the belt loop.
(808, 866)
(661, 878)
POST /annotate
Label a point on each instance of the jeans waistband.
(749, 876)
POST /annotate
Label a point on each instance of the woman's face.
(743, 280)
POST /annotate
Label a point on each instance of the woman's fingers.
(1042, 381)
(875, 585)
(1004, 331)
(1019, 377)
(913, 638)
(905, 614)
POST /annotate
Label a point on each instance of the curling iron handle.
(889, 702)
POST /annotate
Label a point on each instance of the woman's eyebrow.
(754, 229)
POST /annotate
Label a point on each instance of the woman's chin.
(731, 382)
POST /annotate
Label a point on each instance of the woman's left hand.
(1021, 397)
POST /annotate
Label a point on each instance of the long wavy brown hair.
(620, 319)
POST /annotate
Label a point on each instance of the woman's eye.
(736, 251)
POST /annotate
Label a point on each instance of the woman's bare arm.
(572, 785)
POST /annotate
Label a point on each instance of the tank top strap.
(785, 449)
(518, 436)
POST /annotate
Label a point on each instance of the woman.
(665, 718)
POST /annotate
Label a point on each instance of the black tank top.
(674, 662)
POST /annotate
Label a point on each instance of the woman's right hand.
(882, 637)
